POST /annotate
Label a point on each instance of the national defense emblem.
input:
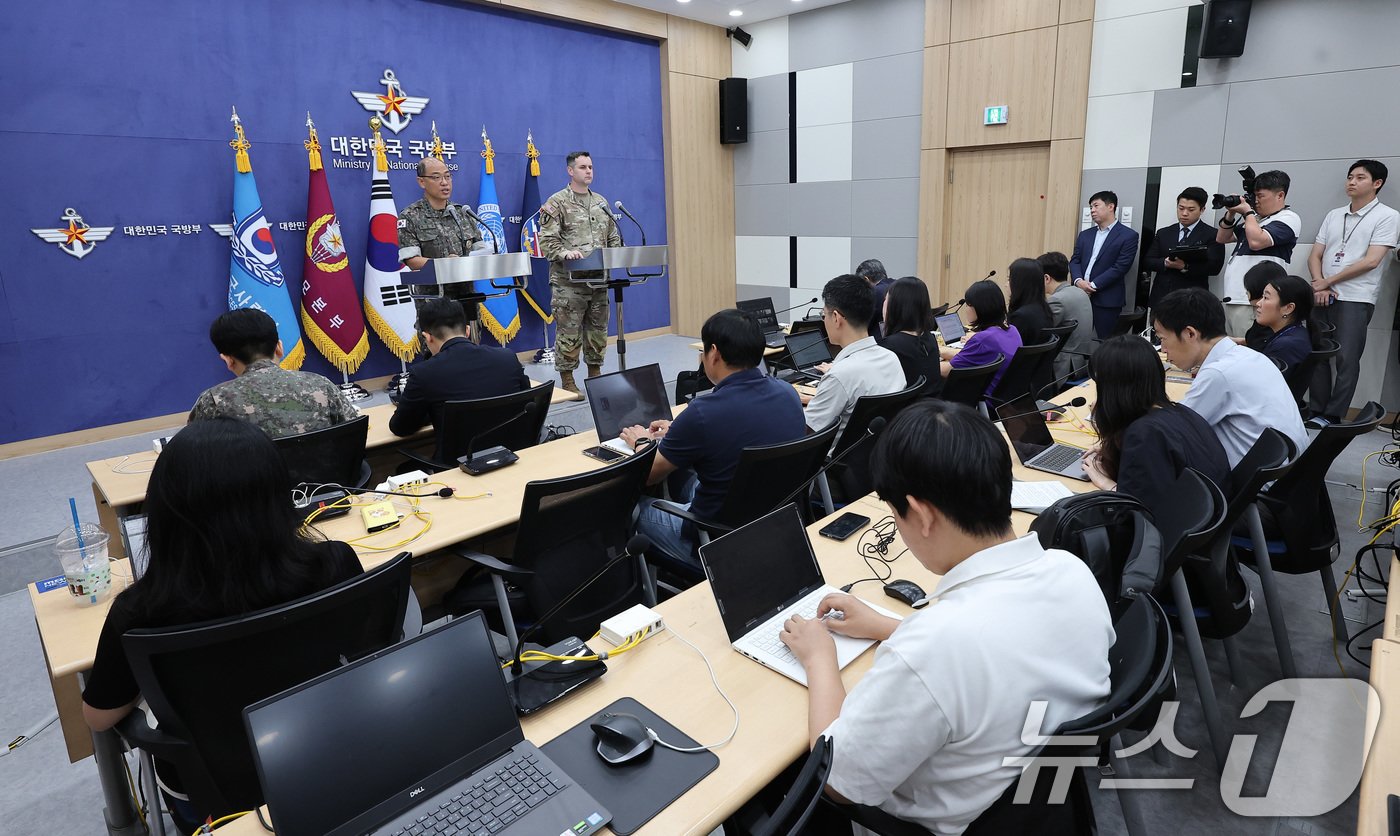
(77, 239)
(394, 109)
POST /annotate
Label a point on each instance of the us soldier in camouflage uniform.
(574, 222)
(281, 401)
(434, 227)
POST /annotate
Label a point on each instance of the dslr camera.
(1225, 201)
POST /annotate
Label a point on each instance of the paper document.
(1037, 496)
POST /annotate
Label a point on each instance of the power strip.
(629, 622)
(405, 480)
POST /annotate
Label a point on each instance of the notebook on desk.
(419, 738)
(631, 397)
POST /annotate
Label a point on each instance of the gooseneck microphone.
(632, 218)
(1077, 402)
(492, 458)
(496, 242)
(795, 307)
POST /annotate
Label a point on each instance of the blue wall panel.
(124, 117)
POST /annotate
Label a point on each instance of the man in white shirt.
(1346, 264)
(861, 366)
(924, 734)
(1238, 390)
(1266, 230)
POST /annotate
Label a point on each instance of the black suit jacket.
(460, 371)
(1196, 274)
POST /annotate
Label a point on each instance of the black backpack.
(1113, 534)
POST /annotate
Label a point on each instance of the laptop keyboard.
(772, 645)
(1059, 457)
(493, 801)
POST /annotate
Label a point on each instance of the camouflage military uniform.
(281, 401)
(571, 221)
(436, 233)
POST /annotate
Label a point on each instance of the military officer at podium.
(435, 227)
(574, 222)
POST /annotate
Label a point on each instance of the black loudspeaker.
(1223, 28)
(733, 111)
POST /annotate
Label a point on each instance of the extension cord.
(629, 622)
(405, 480)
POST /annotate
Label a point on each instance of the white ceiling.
(717, 11)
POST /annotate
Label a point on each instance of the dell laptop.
(1030, 438)
(805, 350)
(629, 398)
(950, 328)
(419, 738)
(763, 311)
(763, 574)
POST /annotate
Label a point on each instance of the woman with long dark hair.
(1145, 440)
(1029, 312)
(990, 337)
(222, 539)
(908, 319)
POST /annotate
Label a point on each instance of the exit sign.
(994, 115)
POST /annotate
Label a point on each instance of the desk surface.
(1381, 776)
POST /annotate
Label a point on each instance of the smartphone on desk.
(604, 454)
(844, 526)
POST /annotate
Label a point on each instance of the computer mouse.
(908, 592)
(621, 737)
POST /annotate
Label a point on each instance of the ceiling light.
(735, 13)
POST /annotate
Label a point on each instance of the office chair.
(1022, 372)
(474, 425)
(939, 310)
(853, 475)
(568, 528)
(1130, 322)
(197, 679)
(801, 800)
(1300, 378)
(334, 455)
(763, 477)
(1047, 369)
(967, 385)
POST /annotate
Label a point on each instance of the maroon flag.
(330, 307)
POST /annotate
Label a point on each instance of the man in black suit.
(458, 369)
(1189, 230)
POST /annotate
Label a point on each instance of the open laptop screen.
(763, 311)
(808, 349)
(1026, 427)
(950, 327)
(627, 398)
(757, 570)
(351, 749)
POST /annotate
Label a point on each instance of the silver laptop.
(762, 575)
(419, 738)
(950, 328)
(1034, 446)
(632, 397)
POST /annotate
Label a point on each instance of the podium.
(622, 267)
(506, 272)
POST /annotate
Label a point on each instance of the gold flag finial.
(313, 144)
(488, 154)
(240, 145)
(532, 153)
(437, 143)
(381, 160)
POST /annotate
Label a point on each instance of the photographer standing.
(1266, 230)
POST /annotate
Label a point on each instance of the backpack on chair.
(1113, 534)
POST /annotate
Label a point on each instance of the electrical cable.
(873, 547)
(601, 656)
(120, 467)
(732, 707)
(208, 827)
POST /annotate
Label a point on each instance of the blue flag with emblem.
(500, 315)
(537, 293)
(255, 275)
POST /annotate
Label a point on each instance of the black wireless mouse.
(621, 737)
(908, 592)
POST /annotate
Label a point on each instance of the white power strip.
(629, 622)
(404, 480)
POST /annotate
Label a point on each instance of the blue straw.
(77, 526)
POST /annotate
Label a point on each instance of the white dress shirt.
(1241, 393)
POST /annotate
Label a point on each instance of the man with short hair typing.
(280, 401)
(745, 409)
(923, 735)
(1239, 391)
(861, 367)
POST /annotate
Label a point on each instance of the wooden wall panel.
(696, 48)
(933, 174)
(1062, 194)
(935, 96)
(937, 21)
(1013, 180)
(604, 13)
(1072, 79)
(984, 18)
(1076, 10)
(1004, 70)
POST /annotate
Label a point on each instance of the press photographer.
(1264, 228)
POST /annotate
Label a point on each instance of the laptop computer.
(422, 733)
(1034, 446)
(805, 351)
(623, 399)
(761, 575)
(950, 328)
(764, 312)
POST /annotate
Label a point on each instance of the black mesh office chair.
(852, 475)
(476, 424)
(798, 804)
(967, 385)
(568, 528)
(1047, 370)
(1300, 378)
(1023, 371)
(197, 679)
(1130, 322)
(334, 455)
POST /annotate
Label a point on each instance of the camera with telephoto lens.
(1225, 201)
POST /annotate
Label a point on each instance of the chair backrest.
(966, 385)
(1299, 378)
(767, 475)
(1129, 321)
(474, 424)
(939, 310)
(1021, 373)
(568, 528)
(328, 456)
(198, 678)
(1191, 522)
(1267, 461)
(1280, 365)
(796, 808)
(854, 469)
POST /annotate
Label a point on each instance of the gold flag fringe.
(293, 361)
(344, 362)
(502, 333)
(400, 349)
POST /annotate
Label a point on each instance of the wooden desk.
(1381, 777)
